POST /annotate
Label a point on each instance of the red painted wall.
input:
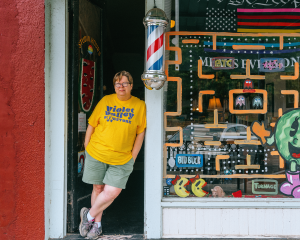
(22, 119)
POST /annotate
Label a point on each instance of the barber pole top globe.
(155, 22)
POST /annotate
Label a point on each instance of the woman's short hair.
(119, 75)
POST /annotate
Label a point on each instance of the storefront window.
(222, 105)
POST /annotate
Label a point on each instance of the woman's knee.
(98, 188)
(111, 192)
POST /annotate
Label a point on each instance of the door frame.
(56, 63)
(72, 105)
(56, 116)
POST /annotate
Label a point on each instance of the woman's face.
(123, 93)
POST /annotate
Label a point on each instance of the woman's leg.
(97, 189)
(103, 200)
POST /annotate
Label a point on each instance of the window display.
(232, 117)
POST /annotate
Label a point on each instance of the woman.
(113, 140)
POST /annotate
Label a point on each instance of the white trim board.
(230, 223)
(55, 118)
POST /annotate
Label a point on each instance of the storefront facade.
(200, 125)
(220, 176)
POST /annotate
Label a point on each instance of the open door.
(85, 89)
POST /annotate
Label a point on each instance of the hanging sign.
(87, 84)
(272, 65)
(189, 160)
(223, 63)
(81, 122)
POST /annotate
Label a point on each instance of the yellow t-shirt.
(116, 125)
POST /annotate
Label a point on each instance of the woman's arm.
(90, 130)
(137, 145)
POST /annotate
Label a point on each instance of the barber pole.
(155, 48)
(155, 22)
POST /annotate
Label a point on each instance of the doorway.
(104, 38)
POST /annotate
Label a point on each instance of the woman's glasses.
(124, 84)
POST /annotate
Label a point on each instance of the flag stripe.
(269, 10)
(282, 24)
(268, 17)
(268, 30)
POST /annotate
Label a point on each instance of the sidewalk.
(141, 237)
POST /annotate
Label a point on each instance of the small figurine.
(240, 100)
(169, 181)
(179, 186)
(217, 191)
(257, 102)
(198, 184)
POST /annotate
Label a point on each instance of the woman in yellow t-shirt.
(113, 140)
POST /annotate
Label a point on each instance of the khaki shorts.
(96, 172)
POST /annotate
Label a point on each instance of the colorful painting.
(285, 137)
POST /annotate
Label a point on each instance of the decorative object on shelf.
(179, 186)
(228, 172)
(240, 101)
(155, 22)
(217, 191)
(166, 190)
(265, 186)
(257, 102)
(87, 84)
(222, 63)
(272, 65)
(197, 185)
(169, 181)
(171, 162)
(237, 194)
(285, 137)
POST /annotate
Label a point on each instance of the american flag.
(264, 20)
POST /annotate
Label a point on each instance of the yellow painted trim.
(248, 47)
(248, 165)
(248, 141)
(215, 143)
(201, 75)
(237, 91)
(187, 41)
(248, 74)
(200, 101)
(295, 76)
(216, 122)
(217, 161)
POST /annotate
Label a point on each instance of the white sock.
(89, 217)
(99, 224)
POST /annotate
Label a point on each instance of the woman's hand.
(137, 145)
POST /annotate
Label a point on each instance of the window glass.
(225, 98)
